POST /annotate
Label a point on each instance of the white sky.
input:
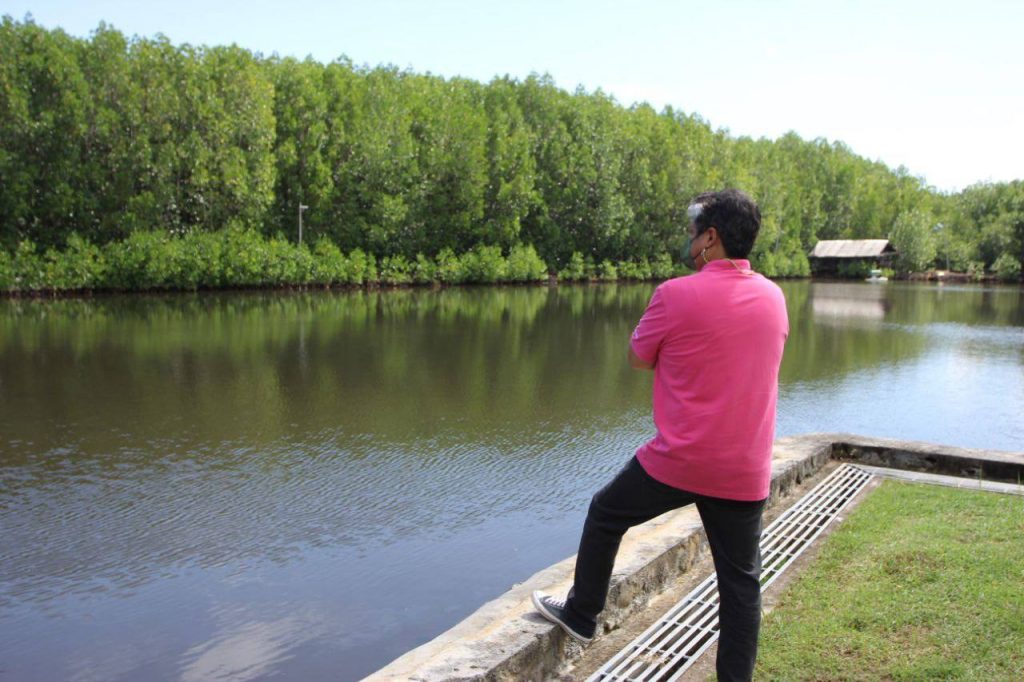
(934, 86)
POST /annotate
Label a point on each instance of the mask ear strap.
(704, 251)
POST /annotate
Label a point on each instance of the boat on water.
(876, 276)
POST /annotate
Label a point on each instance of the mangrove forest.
(135, 163)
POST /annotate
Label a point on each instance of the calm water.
(305, 486)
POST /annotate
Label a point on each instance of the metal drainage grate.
(674, 643)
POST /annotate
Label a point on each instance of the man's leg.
(632, 498)
(734, 534)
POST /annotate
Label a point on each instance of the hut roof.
(851, 248)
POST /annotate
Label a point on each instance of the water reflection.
(839, 328)
(225, 368)
(834, 301)
(239, 485)
(243, 651)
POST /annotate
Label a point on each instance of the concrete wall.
(985, 465)
(506, 640)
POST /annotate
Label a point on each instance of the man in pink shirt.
(714, 340)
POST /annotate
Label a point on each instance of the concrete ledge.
(506, 640)
(946, 481)
(984, 465)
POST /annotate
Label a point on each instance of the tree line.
(108, 137)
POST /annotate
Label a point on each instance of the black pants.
(733, 530)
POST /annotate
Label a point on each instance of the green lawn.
(919, 583)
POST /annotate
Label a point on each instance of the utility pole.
(302, 207)
(941, 228)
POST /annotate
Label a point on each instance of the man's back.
(716, 339)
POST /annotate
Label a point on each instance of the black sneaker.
(555, 611)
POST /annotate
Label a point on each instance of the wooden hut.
(828, 254)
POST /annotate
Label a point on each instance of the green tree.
(913, 238)
(303, 174)
(44, 106)
(510, 193)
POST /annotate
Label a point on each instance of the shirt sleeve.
(651, 330)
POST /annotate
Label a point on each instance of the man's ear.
(712, 233)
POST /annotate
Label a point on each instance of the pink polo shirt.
(716, 338)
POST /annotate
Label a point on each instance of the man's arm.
(649, 333)
(636, 362)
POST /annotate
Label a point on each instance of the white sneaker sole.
(537, 598)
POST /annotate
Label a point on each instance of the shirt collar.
(723, 264)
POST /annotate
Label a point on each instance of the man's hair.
(734, 215)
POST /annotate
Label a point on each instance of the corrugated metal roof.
(851, 248)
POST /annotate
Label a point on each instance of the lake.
(242, 485)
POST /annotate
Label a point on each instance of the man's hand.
(636, 363)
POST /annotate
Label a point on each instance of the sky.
(936, 86)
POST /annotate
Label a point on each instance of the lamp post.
(302, 207)
(941, 228)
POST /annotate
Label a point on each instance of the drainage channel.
(669, 647)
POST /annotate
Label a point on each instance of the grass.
(919, 583)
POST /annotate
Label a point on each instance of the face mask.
(688, 260)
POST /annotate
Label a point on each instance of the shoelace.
(557, 603)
